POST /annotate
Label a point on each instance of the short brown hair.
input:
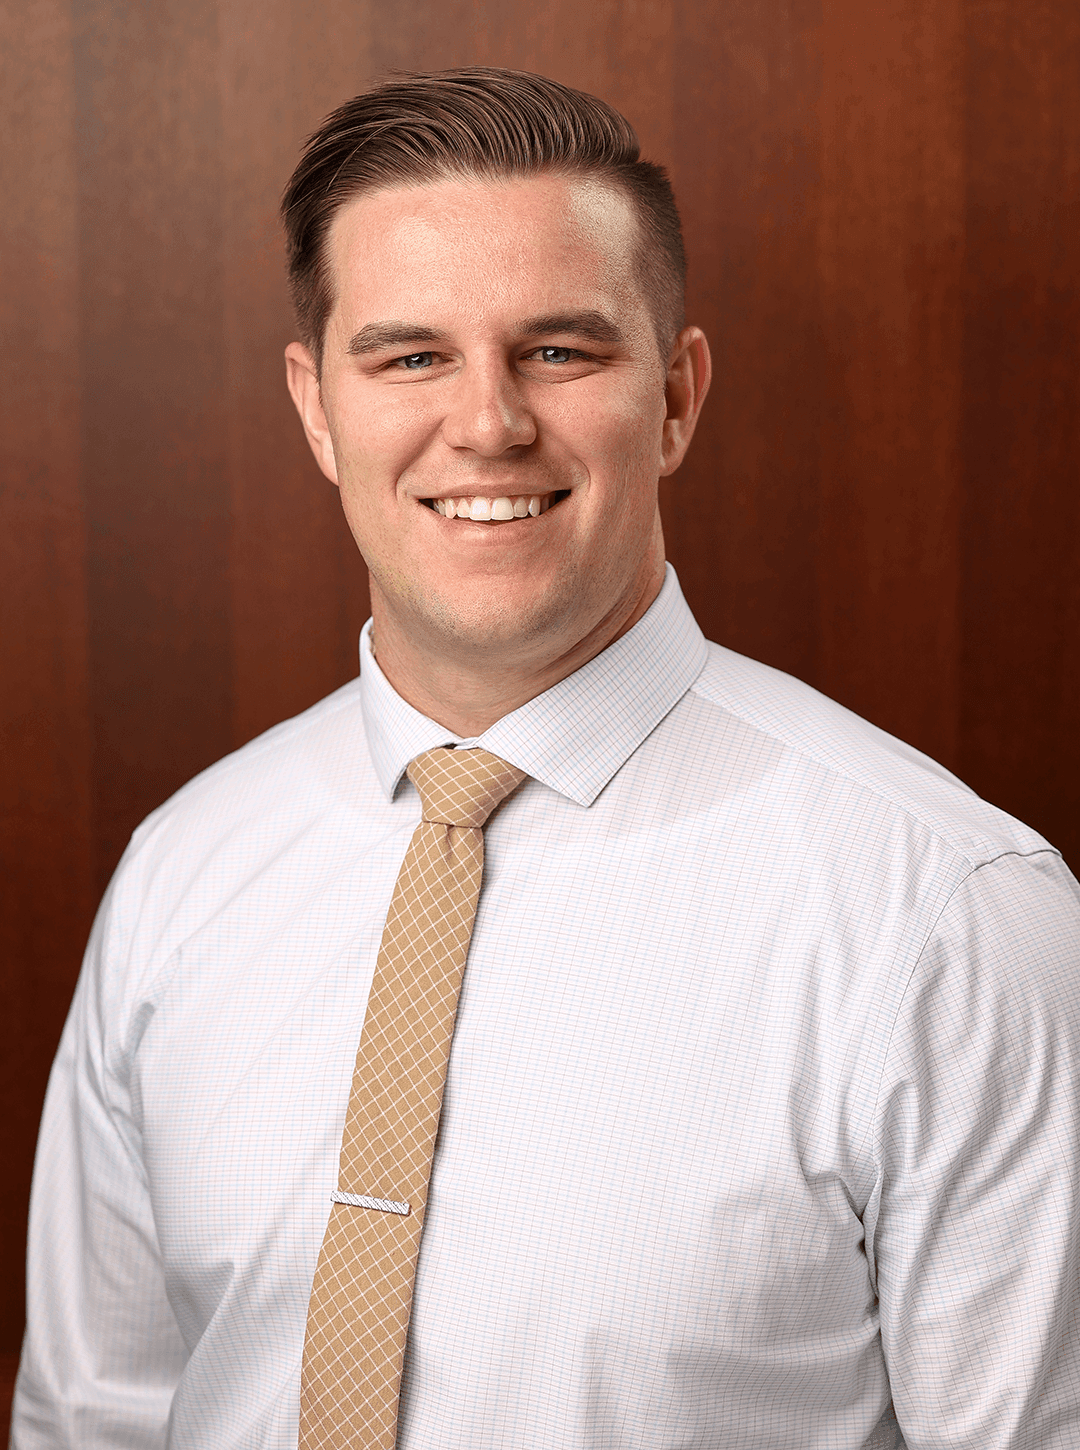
(476, 122)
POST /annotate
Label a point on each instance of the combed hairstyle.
(481, 123)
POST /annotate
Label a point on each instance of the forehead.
(475, 243)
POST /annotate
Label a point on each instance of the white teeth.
(499, 510)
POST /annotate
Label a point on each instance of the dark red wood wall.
(882, 204)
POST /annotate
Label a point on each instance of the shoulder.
(308, 752)
(285, 776)
(830, 756)
(291, 803)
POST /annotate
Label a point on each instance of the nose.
(488, 412)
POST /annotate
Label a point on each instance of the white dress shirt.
(761, 1123)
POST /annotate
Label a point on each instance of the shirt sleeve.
(973, 1236)
(102, 1353)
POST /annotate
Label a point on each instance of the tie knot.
(462, 787)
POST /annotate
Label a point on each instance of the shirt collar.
(573, 737)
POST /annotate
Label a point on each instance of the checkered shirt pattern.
(358, 1318)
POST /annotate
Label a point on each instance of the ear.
(688, 377)
(303, 380)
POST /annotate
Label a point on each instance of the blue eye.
(555, 354)
(417, 360)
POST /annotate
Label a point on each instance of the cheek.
(629, 455)
(619, 440)
(377, 438)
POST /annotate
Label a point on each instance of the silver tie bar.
(364, 1200)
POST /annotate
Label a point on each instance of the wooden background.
(881, 202)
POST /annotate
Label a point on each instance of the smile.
(495, 510)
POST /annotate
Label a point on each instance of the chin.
(495, 618)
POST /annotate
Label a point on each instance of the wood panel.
(296, 593)
(741, 515)
(1019, 677)
(46, 835)
(891, 259)
(153, 402)
(881, 210)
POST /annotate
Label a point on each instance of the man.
(760, 1121)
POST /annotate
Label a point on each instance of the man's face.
(489, 345)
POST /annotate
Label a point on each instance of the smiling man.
(569, 1033)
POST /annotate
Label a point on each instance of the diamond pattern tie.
(358, 1316)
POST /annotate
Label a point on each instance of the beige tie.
(359, 1312)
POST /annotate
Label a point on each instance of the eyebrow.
(589, 324)
(375, 336)
(593, 326)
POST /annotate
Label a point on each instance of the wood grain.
(1019, 672)
(46, 836)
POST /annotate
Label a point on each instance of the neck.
(465, 686)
